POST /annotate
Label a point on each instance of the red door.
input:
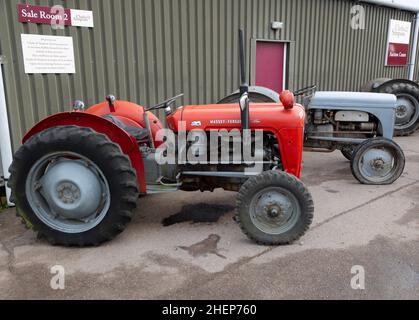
(270, 60)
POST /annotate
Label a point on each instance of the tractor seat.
(140, 134)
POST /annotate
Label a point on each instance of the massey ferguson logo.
(225, 121)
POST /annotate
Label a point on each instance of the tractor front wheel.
(274, 208)
(378, 161)
(73, 186)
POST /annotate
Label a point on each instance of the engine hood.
(352, 100)
(267, 116)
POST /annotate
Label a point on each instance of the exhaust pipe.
(244, 86)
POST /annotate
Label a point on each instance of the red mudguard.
(127, 143)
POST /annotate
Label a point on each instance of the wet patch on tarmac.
(391, 271)
(198, 213)
(331, 190)
(412, 215)
(14, 233)
(205, 247)
(155, 277)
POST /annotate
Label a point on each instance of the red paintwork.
(287, 99)
(286, 124)
(113, 132)
(129, 113)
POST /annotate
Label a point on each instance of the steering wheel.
(305, 90)
(165, 104)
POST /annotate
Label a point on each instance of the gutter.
(408, 5)
(413, 53)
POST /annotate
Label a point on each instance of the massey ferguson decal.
(255, 121)
(225, 121)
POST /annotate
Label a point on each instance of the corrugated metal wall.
(146, 50)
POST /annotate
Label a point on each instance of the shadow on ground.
(198, 213)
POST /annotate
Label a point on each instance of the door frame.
(6, 153)
(289, 47)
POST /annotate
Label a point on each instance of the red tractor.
(78, 175)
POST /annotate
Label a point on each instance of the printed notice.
(48, 54)
(398, 43)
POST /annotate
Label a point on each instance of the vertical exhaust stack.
(244, 86)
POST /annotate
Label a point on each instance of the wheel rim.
(68, 192)
(274, 210)
(378, 164)
(407, 111)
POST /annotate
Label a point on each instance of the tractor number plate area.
(352, 116)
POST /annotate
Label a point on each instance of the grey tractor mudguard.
(381, 105)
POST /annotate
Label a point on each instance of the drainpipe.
(414, 49)
(5, 144)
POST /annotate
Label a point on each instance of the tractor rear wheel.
(407, 106)
(73, 186)
(378, 161)
(274, 208)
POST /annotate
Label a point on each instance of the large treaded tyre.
(410, 94)
(370, 159)
(264, 188)
(105, 155)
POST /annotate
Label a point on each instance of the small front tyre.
(378, 161)
(274, 208)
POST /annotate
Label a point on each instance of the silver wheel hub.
(377, 163)
(274, 210)
(68, 192)
(401, 111)
(71, 189)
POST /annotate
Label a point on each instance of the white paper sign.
(81, 18)
(399, 31)
(48, 54)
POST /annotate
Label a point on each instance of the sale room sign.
(398, 43)
(55, 15)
